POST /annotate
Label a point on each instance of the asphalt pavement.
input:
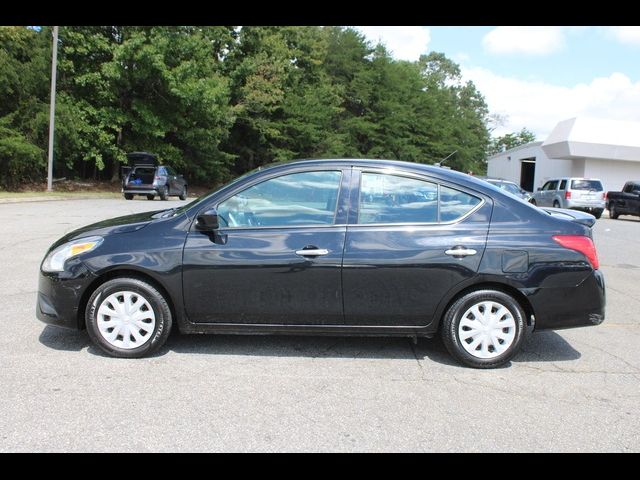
(570, 390)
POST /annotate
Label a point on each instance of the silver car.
(510, 187)
(586, 194)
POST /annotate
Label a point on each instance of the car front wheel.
(128, 318)
(484, 328)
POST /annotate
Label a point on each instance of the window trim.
(414, 176)
(340, 170)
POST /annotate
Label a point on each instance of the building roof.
(514, 149)
(594, 138)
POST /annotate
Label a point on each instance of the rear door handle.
(312, 252)
(460, 251)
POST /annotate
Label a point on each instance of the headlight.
(54, 262)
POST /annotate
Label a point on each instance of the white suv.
(585, 194)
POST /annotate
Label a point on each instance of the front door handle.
(312, 252)
(460, 251)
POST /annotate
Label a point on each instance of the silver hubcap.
(487, 329)
(126, 320)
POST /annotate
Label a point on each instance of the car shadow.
(540, 347)
(546, 346)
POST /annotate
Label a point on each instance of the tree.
(511, 140)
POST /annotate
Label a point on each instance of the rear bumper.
(141, 191)
(569, 307)
(586, 205)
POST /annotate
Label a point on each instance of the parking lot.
(571, 390)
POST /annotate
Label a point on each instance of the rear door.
(410, 239)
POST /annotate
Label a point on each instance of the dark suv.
(144, 176)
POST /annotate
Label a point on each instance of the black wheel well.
(509, 290)
(124, 273)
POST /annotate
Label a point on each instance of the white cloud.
(524, 40)
(628, 35)
(539, 106)
(405, 43)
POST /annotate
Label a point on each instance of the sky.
(535, 77)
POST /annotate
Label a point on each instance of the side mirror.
(208, 221)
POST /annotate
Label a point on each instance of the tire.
(164, 193)
(613, 213)
(597, 212)
(183, 195)
(533, 202)
(556, 204)
(128, 196)
(150, 197)
(459, 320)
(146, 334)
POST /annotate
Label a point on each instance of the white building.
(579, 147)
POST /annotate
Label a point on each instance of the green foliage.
(217, 101)
(511, 140)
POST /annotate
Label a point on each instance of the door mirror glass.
(208, 221)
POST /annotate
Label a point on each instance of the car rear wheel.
(128, 196)
(533, 202)
(613, 213)
(150, 197)
(128, 318)
(556, 204)
(183, 195)
(597, 212)
(484, 328)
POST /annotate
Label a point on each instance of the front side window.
(305, 198)
(551, 185)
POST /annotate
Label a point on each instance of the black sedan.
(337, 247)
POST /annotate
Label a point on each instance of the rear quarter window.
(455, 204)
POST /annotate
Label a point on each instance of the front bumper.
(60, 295)
(583, 305)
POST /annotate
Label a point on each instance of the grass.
(55, 194)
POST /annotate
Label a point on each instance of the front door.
(410, 241)
(276, 258)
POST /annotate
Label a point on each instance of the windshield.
(586, 185)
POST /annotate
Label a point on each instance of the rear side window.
(563, 185)
(395, 199)
(586, 185)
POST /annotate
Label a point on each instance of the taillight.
(567, 195)
(580, 244)
(604, 195)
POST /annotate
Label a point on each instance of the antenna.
(439, 164)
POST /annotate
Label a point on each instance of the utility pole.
(52, 108)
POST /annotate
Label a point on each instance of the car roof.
(431, 170)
